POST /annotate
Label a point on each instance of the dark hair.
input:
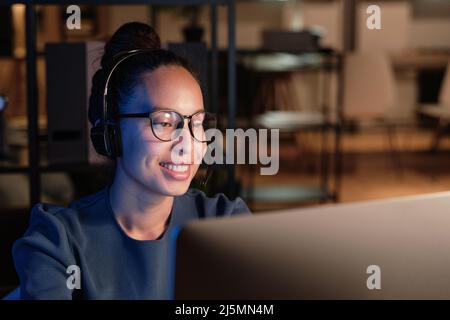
(130, 36)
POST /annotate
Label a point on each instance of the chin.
(177, 189)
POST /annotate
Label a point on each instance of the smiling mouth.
(175, 167)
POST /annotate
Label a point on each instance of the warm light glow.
(18, 13)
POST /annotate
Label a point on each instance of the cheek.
(139, 148)
(154, 152)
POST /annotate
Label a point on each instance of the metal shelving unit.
(34, 168)
(296, 121)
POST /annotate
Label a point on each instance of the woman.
(114, 244)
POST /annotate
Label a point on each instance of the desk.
(420, 60)
(425, 69)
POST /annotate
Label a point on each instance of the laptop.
(390, 249)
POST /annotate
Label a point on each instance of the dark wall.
(6, 31)
(13, 224)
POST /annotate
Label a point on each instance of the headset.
(105, 133)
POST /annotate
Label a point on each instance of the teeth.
(173, 167)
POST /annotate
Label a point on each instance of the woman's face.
(147, 160)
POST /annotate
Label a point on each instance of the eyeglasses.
(166, 124)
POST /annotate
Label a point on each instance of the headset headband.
(127, 54)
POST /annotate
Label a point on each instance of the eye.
(164, 124)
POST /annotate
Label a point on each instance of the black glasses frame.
(150, 114)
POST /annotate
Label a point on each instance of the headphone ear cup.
(97, 135)
(118, 141)
(115, 140)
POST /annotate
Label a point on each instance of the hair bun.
(130, 36)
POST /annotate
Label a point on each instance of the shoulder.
(41, 256)
(45, 225)
(88, 200)
(45, 238)
(218, 205)
(55, 223)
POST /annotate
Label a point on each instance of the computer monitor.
(391, 249)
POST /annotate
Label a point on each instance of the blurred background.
(363, 113)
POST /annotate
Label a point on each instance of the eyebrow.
(159, 108)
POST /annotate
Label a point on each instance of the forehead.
(172, 87)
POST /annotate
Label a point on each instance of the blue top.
(111, 265)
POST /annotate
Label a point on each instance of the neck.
(141, 213)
